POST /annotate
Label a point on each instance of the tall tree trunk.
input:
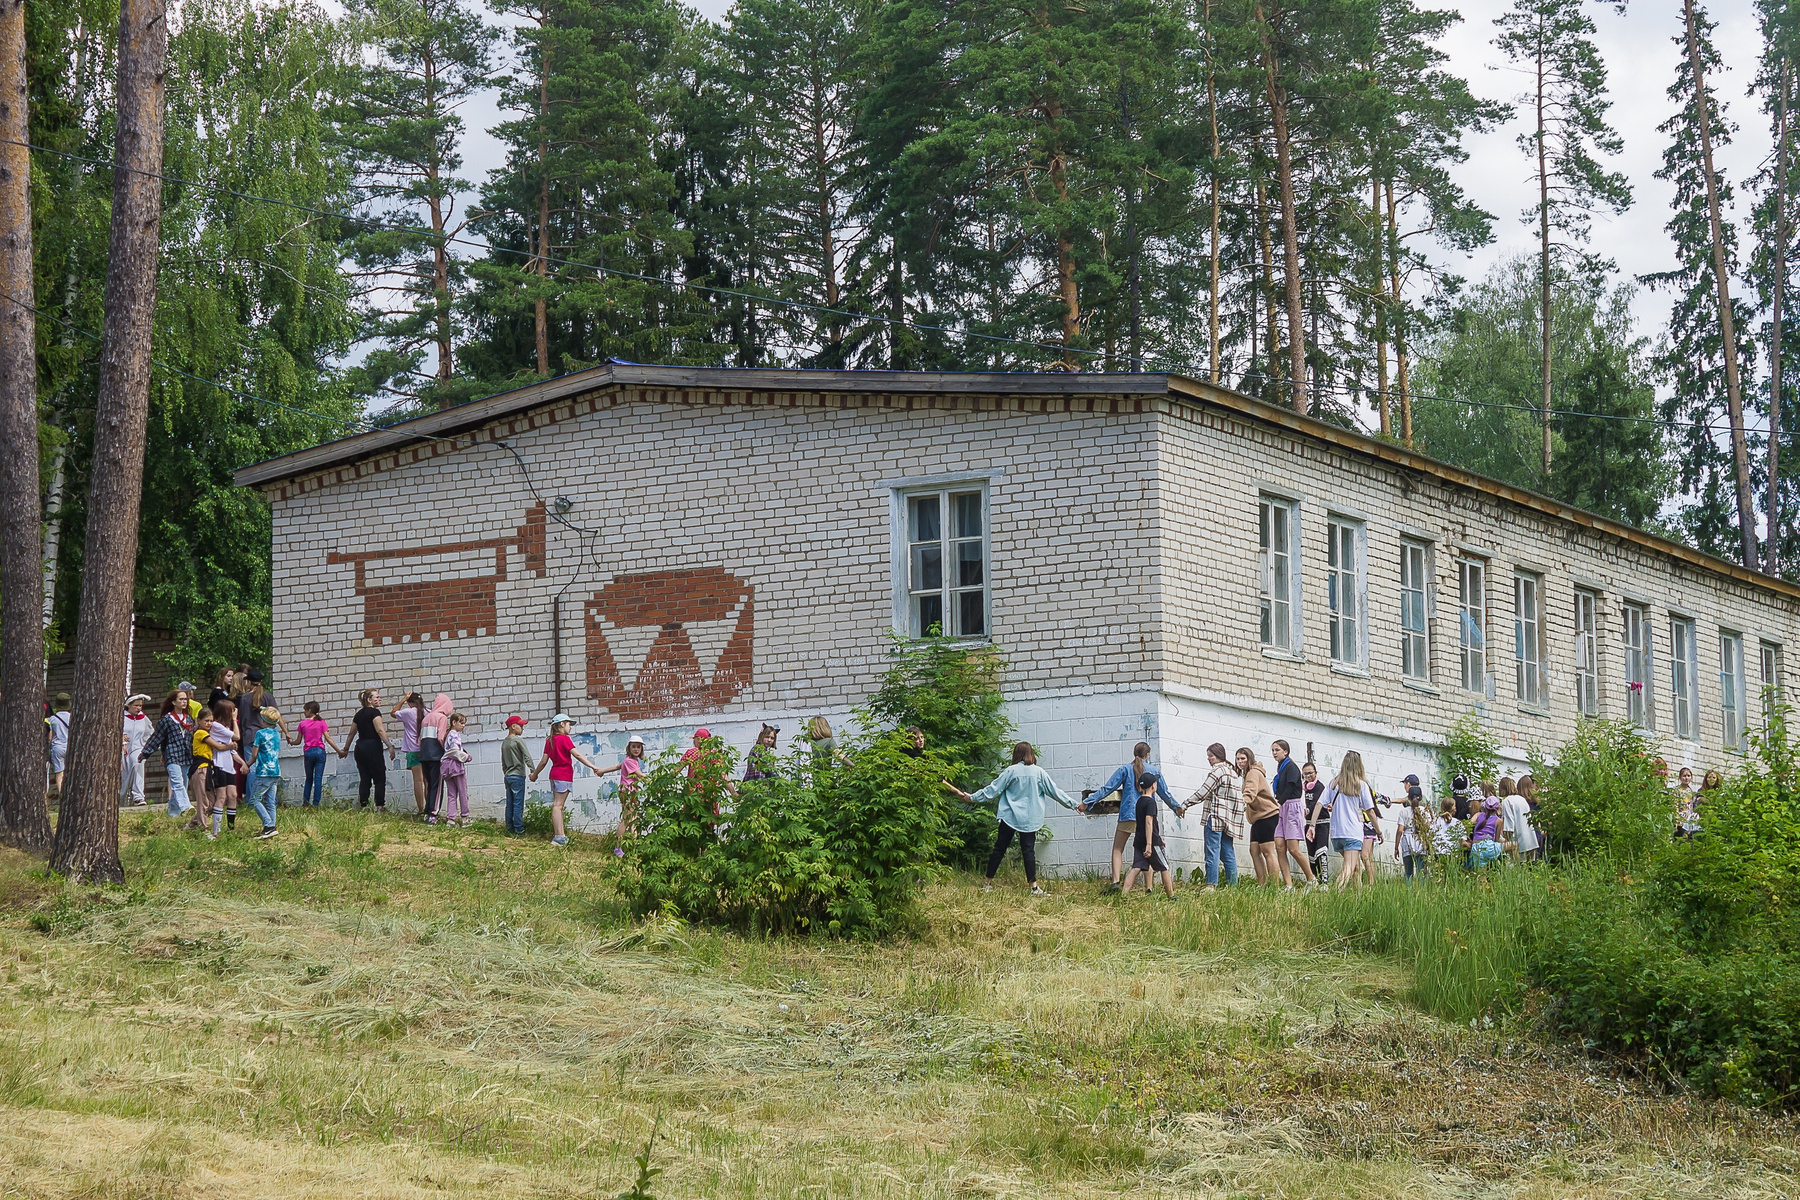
(1543, 172)
(87, 827)
(1772, 549)
(1734, 395)
(24, 822)
(1403, 378)
(541, 309)
(440, 251)
(1065, 259)
(1290, 233)
(827, 217)
(1379, 292)
(1212, 116)
(1273, 339)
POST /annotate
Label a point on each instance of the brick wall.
(1211, 469)
(729, 559)
(762, 522)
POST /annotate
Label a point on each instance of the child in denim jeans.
(515, 765)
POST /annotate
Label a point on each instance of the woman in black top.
(370, 739)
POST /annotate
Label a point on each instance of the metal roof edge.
(773, 379)
(1399, 455)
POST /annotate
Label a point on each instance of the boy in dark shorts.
(1149, 854)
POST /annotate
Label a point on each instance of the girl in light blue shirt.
(1020, 792)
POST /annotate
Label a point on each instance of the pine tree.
(1773, 225)
(429, 57)
(1706, 344)
(1552, 41)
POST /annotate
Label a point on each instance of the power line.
(799, 305)
(772, 301)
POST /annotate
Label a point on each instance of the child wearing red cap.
(515, 765)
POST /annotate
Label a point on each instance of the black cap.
(1148, 779)
(1411, 781)
(253, 675)
(1459, 786)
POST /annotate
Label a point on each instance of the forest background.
(381, 209)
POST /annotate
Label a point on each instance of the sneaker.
(1110, 888)
(986, 888)
(1211, 887)
(268, 832)
(211, 836)
(559, 840)
(1038, 891)
(431, 820)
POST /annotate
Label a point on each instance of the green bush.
(951, 690)
(1468, 750)
(843, 849)
(1727, 1023)
(1603, 796)
(1691, 957)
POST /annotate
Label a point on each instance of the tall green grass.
(1470, 939)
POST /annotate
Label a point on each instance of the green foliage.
(1736, 885)
(951, 690)
(843, 849)
(1602, 796)
(1468, 750)
(1481, 375)
(1472, 939)
(646, 1174)
(1612, 459)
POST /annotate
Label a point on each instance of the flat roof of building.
(461, 418)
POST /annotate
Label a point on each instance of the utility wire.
(804, 306)
(772, 301)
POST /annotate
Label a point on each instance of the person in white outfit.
(138, 728)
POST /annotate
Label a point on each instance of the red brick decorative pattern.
(670, 683)
(427, 609)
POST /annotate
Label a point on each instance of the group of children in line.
(1291, 820)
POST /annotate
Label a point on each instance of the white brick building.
(1157, 558)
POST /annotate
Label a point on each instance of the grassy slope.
(371, 1008)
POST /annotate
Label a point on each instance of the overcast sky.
(1641, 61)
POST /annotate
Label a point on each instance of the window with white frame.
(1528, 638)
(1684, 679)
(1280, 583)
(1634, 633)
(1587, 653)
(1471, 604)
(1768, 677)
(946, 562)
(1415, 610)
(1344, 588)
(1731, 689)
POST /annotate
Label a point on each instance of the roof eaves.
(1399, 455)
(479, 412)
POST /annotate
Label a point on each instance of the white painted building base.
(1080, 739)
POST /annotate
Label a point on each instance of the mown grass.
(366, 1006)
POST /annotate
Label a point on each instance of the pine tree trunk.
(440, 252)
(1290, 233)
(1379, 292)
(1212, 115)
(1543, 171)
(1772, 549)
(24, 822)
(1734, 395)
(541, 310)
(87, 827)
(1403, 378)
(1273, 338)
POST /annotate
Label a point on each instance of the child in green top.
(515, 765)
